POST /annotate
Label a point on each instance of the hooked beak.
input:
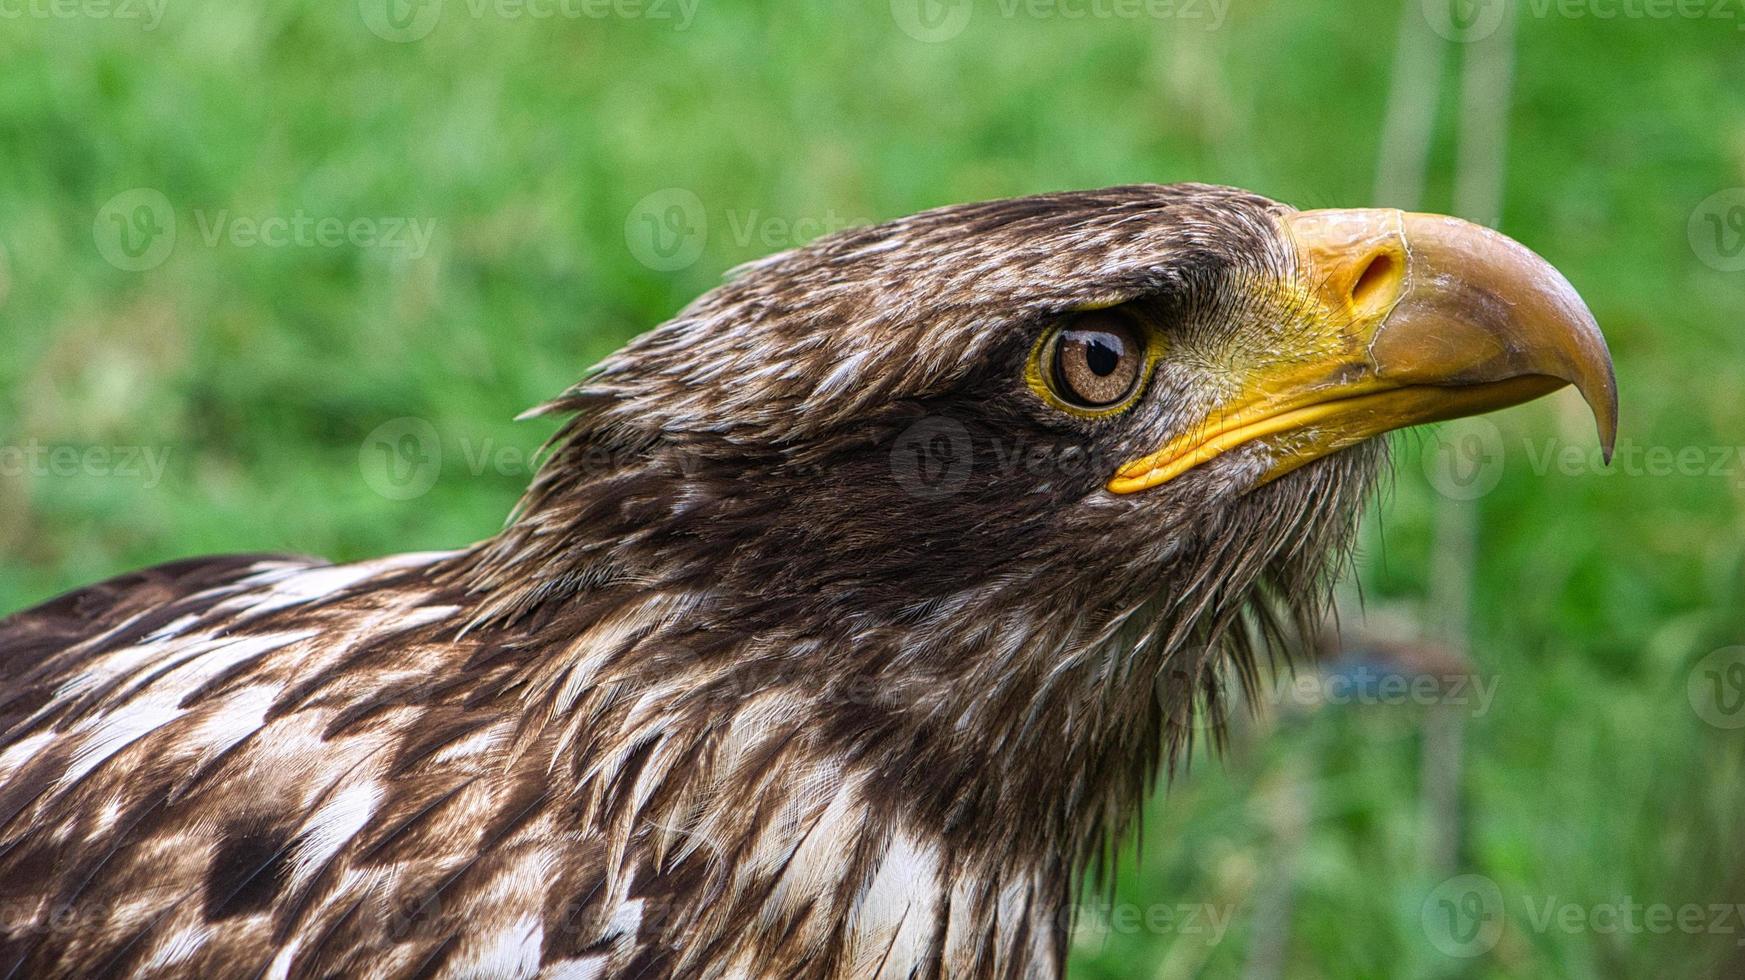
(1426, 318)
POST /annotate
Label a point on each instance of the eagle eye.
(1095, 361)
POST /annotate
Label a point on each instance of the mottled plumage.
(818, 647)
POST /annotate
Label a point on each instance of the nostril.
(1378, 285)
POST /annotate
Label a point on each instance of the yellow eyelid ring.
(1038, 372)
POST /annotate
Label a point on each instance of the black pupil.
(1102, 354)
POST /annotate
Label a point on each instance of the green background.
(1603, 773)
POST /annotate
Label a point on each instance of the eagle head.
(1042, 469)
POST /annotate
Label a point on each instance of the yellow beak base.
(1427, 318)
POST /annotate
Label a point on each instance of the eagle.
(848, 619)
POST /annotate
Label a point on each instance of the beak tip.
(1604, 404)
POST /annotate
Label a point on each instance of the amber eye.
(1097, 360)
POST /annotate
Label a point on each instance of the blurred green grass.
(530, 142)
